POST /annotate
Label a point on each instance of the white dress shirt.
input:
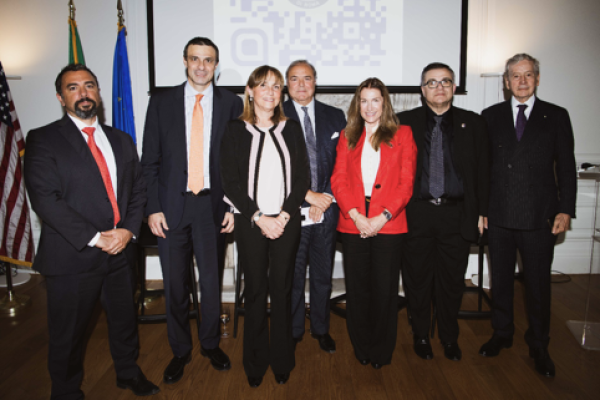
(515, 103)
(106, 149)
(369, 163)
(270, 194)
(207, 106)
(311, 115)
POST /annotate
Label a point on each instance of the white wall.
(562, 34)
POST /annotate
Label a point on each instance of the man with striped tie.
(322, 125)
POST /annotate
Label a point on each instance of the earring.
(251, 98)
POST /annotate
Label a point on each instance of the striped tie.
(311, 148)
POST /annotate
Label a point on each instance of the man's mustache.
(85, 99)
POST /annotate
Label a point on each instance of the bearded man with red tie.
(85, 182)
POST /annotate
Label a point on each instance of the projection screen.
(346, 40)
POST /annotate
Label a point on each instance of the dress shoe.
(494, 345)
(422, 347)
(376, 365)
(218, 359)
(452, 351)
(543, 363)
(174, 370)
(326, 342)
(282, 378)
(254, 382)
(140, 386)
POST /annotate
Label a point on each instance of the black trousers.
(196, 234)
(435, 258)
(317, 248)
(372, 271)
(268, 270)
(537, 253)
(71, 301)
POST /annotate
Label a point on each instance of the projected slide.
(347, 40)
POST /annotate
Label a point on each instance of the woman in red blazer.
(372, 182)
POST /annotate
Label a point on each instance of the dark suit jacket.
(67, 192)
(329, 121)
(164, 156)
(533, 179)
(470, 157)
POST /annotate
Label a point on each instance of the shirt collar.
(190, 91)
(311, 107)
(80, 124)
(514, 102)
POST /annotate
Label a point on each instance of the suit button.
(107, 200)
(509, 165)
(378, 186)
(184, 172)
(500, 145)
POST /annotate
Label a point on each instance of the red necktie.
(104, 172)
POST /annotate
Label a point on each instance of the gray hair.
(521, 57)
(299, 62)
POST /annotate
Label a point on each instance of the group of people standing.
(409, 191)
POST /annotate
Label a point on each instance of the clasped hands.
(319, 203)
(114, 241)
(273, 227)
(368, 227)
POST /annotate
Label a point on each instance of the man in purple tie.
(532, 200)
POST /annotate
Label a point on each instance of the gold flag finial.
(72, 10)
(120, 14)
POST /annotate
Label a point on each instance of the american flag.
(16, 240)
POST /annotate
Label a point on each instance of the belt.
(203, 192)
(368, 199)
(440, 201)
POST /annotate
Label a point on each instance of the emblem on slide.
(308, 3)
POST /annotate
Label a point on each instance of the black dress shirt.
(453, 185)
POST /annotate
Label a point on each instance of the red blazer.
(393, 185)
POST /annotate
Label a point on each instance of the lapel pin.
(463, 125)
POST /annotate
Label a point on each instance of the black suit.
(436, 248)
(67, 192)
(194, 222)
(532, 180)
(317, 242)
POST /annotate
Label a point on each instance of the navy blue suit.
(317, 242)
(194, 222)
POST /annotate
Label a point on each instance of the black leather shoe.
(494, 345)
(422, 347)
(376, 365)
(326, 342)
(543, 363)
(282, 378)
(452, 351)
(254, 382)
(218, 359)
(174, 370)
(140, 386)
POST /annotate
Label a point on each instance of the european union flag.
(122, 111)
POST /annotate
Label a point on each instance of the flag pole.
(12, 304)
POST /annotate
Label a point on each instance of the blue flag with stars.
(122, 111)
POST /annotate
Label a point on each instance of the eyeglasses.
(432, 83)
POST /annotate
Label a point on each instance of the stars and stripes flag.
(16, 240)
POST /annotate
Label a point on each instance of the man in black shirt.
(446, 212)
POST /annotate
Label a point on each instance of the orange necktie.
(103, 171)
(196, 158)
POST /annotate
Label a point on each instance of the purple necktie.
(521, 121)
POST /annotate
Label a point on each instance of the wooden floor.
(24, 376)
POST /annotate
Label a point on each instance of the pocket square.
(335, 135)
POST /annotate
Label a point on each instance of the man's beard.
(86, 114)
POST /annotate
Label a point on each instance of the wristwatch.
(387, 214)
(257, 216)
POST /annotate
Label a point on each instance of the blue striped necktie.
(311, 148)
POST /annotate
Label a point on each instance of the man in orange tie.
(85, 182)
(186, 211)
